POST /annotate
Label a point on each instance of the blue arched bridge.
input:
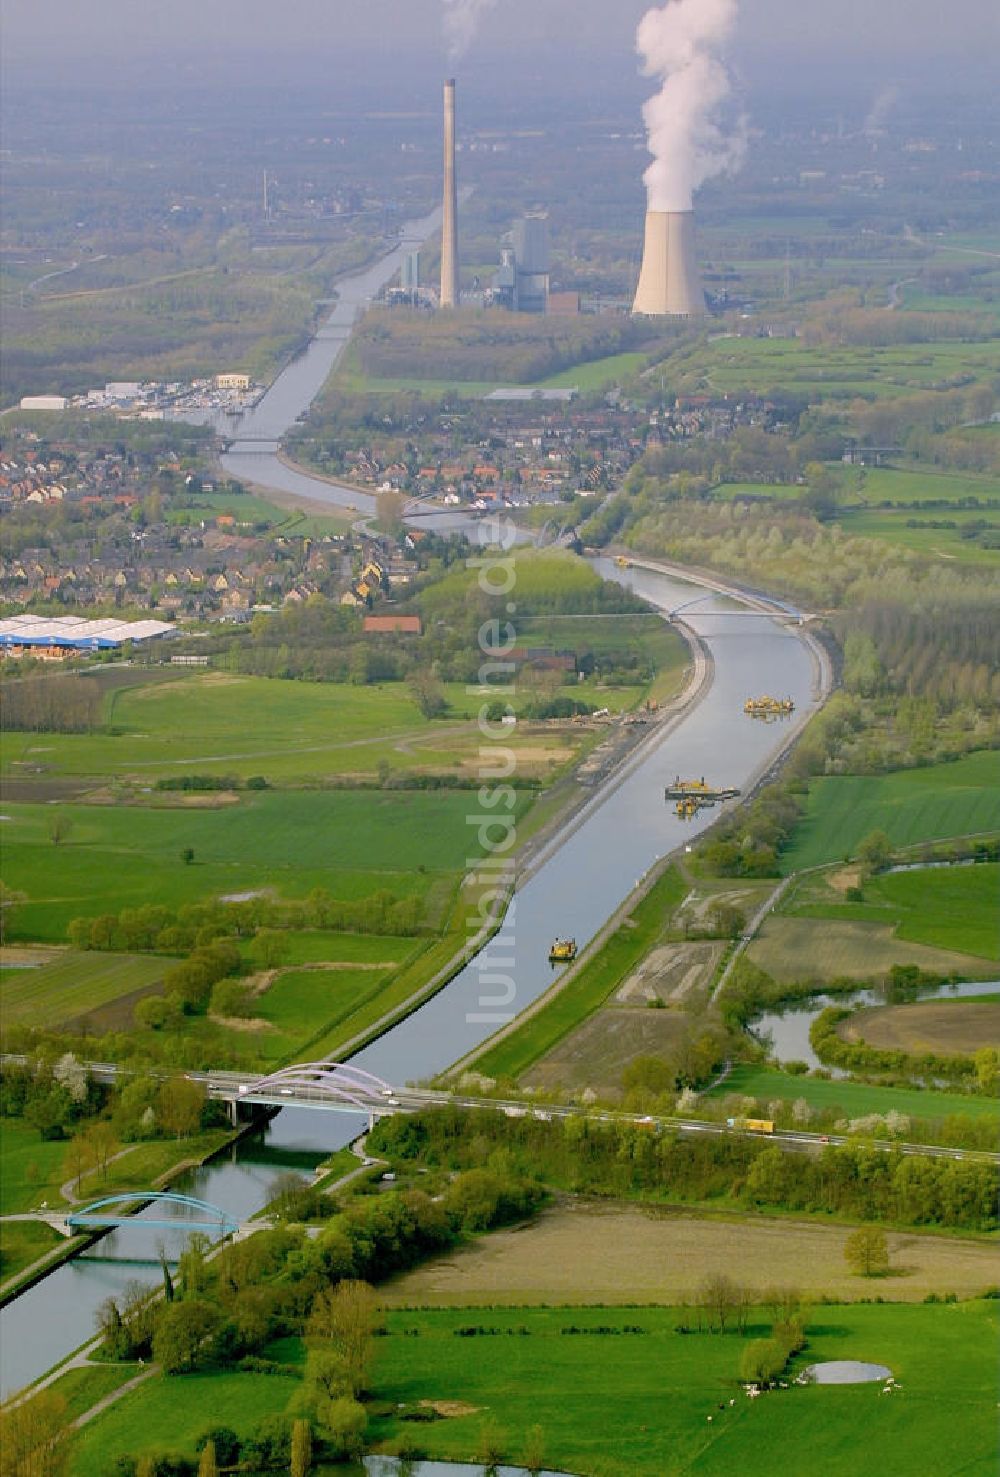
(113, 1210)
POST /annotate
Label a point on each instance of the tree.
(344, 1425)
(533, 1452)
(9, 900)
(33, 1437)
(427, 692)
(226, 1443)
(207, 1464)
(875, 851)
(60, 827)
(231, 999)
(101, 1144)
(866, 1251)
(76, 1160)
(301, 1460)
(348, 1315)
(327, 1379)
(184, 1333)
(187, 855)
(270, 947)
(153, 1011)
(178, 1105)
(726, 920)
(762, 1361)
(72, 1075)
(491, 1443)
(722, 1300)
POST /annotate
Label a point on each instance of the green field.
(214, 723)
(794, 367)
(596, 373)
(248, 507)
(83, 1386)
(24, 1242)
(33, 1168)
(955, 908)
(317, 946)
(851, 1099)
(305, 1005)
(888, 484)
(650, 1403)
(592, 985)
(72, 984)
(353, 843)
(914, 805)
(892, 527)
(169, 1415)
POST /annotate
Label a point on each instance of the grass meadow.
(851, 1099)
(71, 984)
(913, 805)
(657, 1402)
(217, 723)
(303, 1006)
(766, 365)
(354, 843)
(793, 949)
(621, 1390)
(33, 1168)
(953, 908)
(169, 1414)
(891, 526)
(903, 485)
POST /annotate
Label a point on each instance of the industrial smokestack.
(669, 283)
(449, 218)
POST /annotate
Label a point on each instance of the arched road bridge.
(113, 1210)
(336, 1086)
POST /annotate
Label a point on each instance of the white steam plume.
(461, 17)
(679, 43)
(878, 115)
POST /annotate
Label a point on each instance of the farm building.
(53, 638)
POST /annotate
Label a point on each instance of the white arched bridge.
(338, 1086)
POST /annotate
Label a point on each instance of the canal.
(575, 889)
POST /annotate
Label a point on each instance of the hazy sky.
(828, 34)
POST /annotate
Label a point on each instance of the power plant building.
(533, 261)
(521, 282)
(669, 282)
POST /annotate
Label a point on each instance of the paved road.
(225, 1087)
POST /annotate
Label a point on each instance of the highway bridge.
(339, 1087)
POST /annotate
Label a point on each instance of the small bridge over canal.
(192, 1214)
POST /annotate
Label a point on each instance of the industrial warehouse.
(54, 638)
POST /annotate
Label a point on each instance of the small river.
(574, 890)
(788, 1030)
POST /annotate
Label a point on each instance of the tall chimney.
(669, 284)
(449, 218)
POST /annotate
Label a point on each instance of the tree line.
(51, 704)
(855, 1181)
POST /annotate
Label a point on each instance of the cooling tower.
(669, 283)
(449, 218)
